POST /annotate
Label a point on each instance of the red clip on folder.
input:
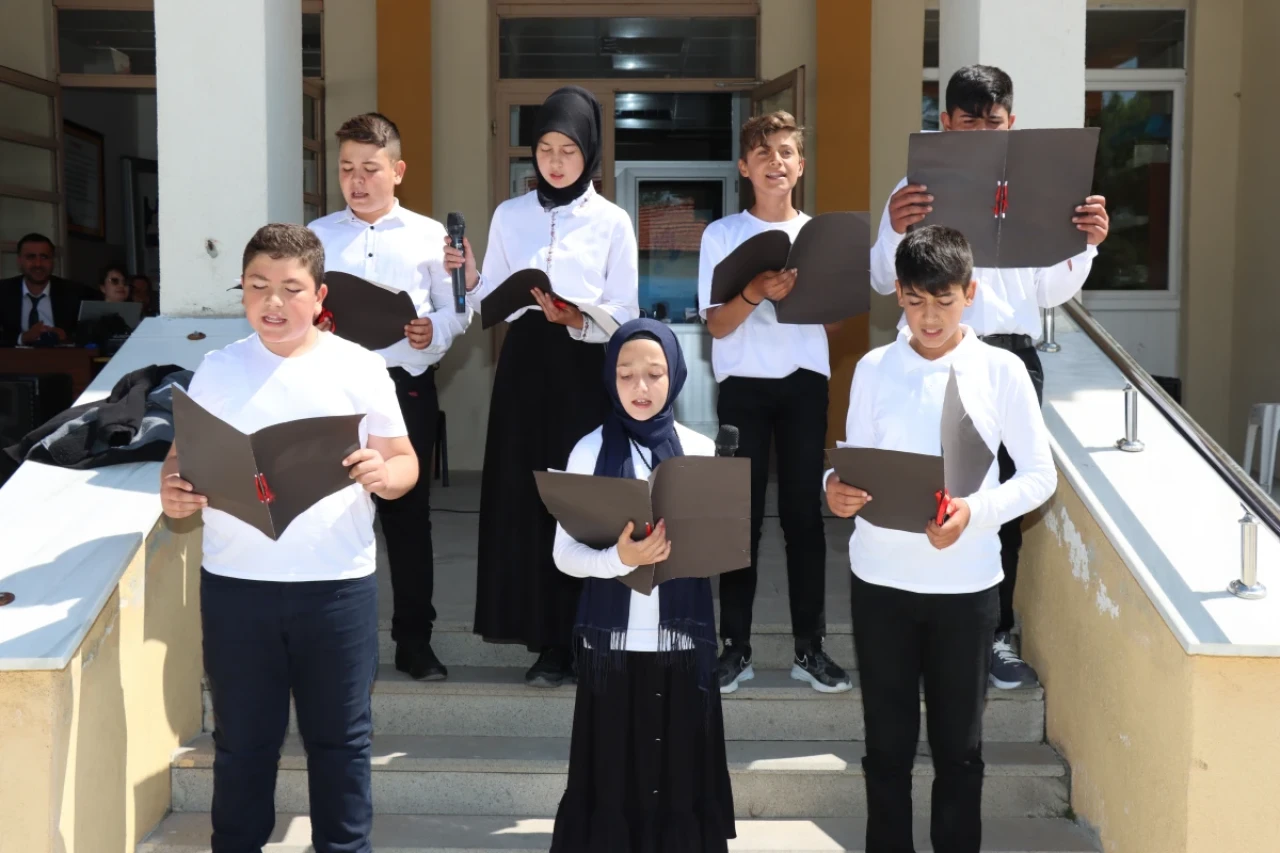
(265, 495)
(944, 503)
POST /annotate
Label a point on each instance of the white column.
(229, 113)
(1040, 43)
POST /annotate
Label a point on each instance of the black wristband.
(743, 294)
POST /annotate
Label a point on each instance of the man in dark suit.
(37, 306)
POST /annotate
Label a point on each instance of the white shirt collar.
(394, 214)
(26, 289)
(912, 360)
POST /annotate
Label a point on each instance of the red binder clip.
(1002, 200)
(326, 314)
(944, 503)
(265, 495)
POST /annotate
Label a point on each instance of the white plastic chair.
(1265, 417)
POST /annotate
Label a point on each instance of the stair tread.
(434, 753)
(767, 684)
(189, 833)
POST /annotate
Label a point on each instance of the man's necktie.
(33, 319)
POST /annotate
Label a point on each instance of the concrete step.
(494, 701)
(526, 776)
(189, 833)
(772, 647)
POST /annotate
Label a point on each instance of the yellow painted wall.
(85, 751)
(404, 90)
(1155, 738)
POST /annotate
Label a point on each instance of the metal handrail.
(1250, 493)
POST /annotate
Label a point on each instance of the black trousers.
(900, 636)
(263, 639)
(790, 413)
(1011, 531)
(406, 521)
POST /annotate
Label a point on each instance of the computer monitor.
(130, 312)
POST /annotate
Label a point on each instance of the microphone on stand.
(727, 440)
(457, 227)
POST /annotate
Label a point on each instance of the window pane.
(929, 106)
(308, 117)
(930, 38)
(19, 216)
(26, 111)
(310, 212)
(1135, 154)
(9, 264)
(671, 218)
(523, 117)
(100, 41)
(1135, 39)
(310, 171)
(26, 166)
(311, 44)
(673, 126)
(578, 48)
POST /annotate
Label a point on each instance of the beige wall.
(351, 77)
(27, 36)
(1255, 356)
(85, 751)
(788, 39)
(1168, 752)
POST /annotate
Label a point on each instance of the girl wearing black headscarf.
(546, 393)
(647, 767)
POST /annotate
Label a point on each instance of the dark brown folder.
(1011, 194)
(705, 501)
(367, 313)
(269, 478)
(832, 257)
(904, 486)
(516, 293)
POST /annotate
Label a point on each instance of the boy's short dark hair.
(286, 240)
(934, 258)
(757, 130)
(976, 89)
(372, 129)
(33, 237)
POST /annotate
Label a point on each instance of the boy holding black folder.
(298, 613)
(1006, 308)
(773, 388)
(925, 603)
(378, 239)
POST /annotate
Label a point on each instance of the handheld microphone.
(727, 440)
(457, 227)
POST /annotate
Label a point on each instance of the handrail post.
(1047, 343)
(1130, 443)
(1247, 586)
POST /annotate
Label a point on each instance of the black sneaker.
(1008, 671)
(814, 665)
(553, 667)
(734, 666)
(418, 660)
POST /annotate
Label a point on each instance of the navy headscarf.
(575, 112)
(684, 605)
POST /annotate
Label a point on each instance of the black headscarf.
(575, 112)
(685, 607)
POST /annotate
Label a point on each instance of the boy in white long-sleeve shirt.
(924, 604)
(1006, 308)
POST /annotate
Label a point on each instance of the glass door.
(30, 164)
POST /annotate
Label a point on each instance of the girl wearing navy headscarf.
(546, 391)
(647, 767)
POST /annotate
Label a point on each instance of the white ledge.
(69, 535)
(1171, 517)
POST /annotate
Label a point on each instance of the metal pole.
(1047, 343)
(1247, 585)
(1130, 443)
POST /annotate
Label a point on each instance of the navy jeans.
(263, 639)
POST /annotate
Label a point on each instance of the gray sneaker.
(1008, 671)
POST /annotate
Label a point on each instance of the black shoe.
(814, 665)
(734, 666)
(1008, 670)
(418, 660)
(553, 667)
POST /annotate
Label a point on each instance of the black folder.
(367, 313)
(516, 293)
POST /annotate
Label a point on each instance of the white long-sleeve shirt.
(586, 247)
(895, 403)
(1008, 301)
(583, 561)
(404, 251)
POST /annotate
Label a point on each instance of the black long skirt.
(647, 766)
(548, 393)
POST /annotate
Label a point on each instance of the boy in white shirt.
(298, 614)
(1006, 310)
(773, 388)
(924, 604)
(378, 239)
